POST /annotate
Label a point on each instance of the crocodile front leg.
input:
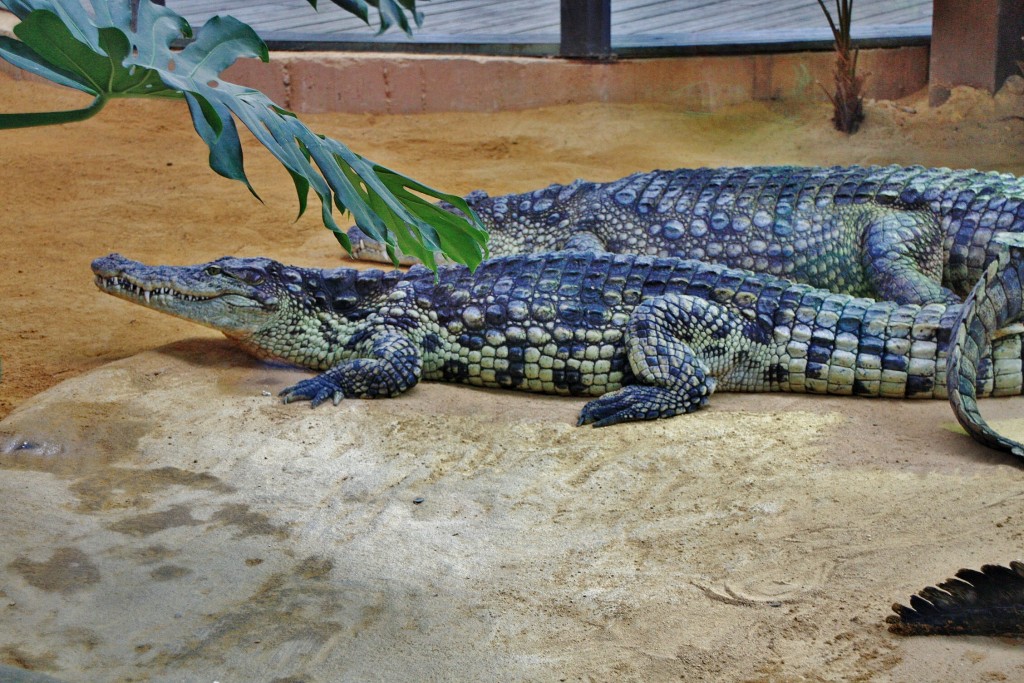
(903, 257)
(393, 365)
(675, 344)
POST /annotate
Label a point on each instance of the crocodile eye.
(213, 270)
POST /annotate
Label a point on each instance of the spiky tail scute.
(989, 602)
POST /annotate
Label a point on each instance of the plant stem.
(51, 118)
(847, 101)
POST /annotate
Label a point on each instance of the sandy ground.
(762, 539)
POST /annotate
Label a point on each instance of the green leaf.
(22, 56)
(105, 56)
(48, 43)
(71, 14)
(390, 12)
(217, 129)
(45, 33)
(356, 7)
(458, 238)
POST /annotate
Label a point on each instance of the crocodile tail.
(995, 302)
(989, 602)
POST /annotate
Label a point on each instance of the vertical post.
(586, 29)
(974, 43)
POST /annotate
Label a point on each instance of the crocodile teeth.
(129, 287)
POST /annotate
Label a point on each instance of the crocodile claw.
(630, 403)
(635, 402)
(316, 390)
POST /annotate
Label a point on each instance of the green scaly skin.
(644, 337)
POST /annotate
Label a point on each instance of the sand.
(169, 521)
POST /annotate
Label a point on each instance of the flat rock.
(166, 518)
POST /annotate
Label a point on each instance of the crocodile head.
(238, 296)
(298, 315)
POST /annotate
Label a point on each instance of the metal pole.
(586, 29)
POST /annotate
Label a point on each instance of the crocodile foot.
(635, 402)
(316, 390)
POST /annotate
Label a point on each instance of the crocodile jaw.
(186, 292)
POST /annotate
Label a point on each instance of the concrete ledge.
(391, 83)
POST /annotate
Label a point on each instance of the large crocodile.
(647, 337)
(906, 234)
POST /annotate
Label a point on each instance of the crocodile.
(905, 234)
(644, 337)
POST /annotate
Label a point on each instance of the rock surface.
(166, 520)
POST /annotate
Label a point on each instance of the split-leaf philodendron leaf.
(390, 12)
(102, 53)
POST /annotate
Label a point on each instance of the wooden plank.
(638, 46)
(452, 15)
(759, 41)
(262, 14)
(624, 11)
(458, 19)
(511, 17)
(468, 17)
(786, 13)
(778, 14)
